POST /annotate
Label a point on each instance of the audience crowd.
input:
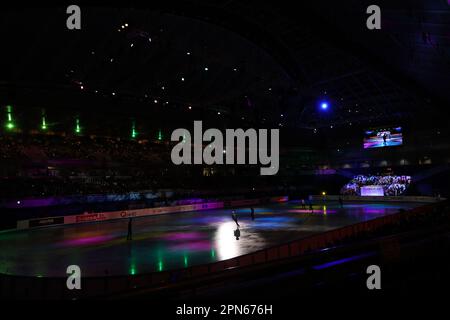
(50, 147)
(392, 185)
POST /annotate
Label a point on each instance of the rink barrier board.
(125, 214)
(55, 288)
(51, 288)
(423, 199)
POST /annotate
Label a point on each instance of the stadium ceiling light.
(324, 105)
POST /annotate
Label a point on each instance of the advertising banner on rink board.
(45, 222)
(91, 217)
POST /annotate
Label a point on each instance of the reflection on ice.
(226, 245)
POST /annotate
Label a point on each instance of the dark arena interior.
(211, 151)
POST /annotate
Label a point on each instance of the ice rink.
(173, 241)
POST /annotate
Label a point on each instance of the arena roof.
(233, 61)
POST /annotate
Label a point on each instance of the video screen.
(383, 137)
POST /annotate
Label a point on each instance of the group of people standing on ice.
(310, 204)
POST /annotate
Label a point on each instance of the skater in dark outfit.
(341, 202)
(311, 206)
(252, 213)
(237, 233)
(130, 229)
(235, 218)
(303, 204)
